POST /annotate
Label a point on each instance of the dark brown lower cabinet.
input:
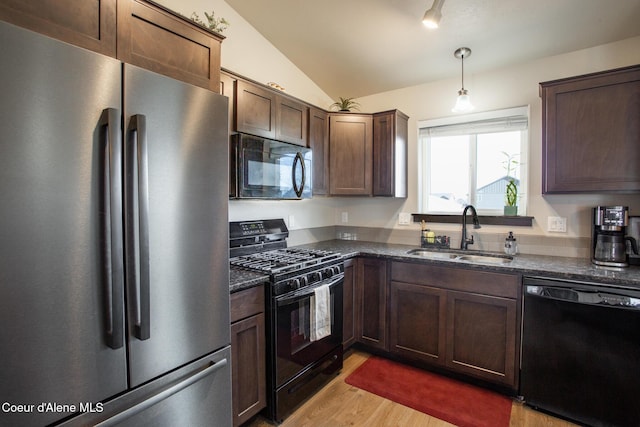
(416, 323)
(462, 319)
(248, 354)
(371, 302)
(481, 336)
(349, 317)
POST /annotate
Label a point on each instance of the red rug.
(453, 401)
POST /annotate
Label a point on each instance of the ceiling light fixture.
(432, 16)
(463, 103)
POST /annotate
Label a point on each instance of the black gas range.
(301, 357)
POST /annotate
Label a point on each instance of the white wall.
(246, 52)
(504, 88)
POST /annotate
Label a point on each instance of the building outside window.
(470, 160)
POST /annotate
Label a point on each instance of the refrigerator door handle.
(137, 223)
(145, 404)
(111, 226)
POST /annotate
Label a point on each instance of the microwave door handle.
(298, 159)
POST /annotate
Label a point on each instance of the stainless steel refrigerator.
(114, 296)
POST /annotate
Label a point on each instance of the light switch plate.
(557, 224)
(345, 217)
(404, 218)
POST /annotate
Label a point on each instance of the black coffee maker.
(608, 240)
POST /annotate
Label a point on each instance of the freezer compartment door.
(61, 273)
(198, 394)
(176, 224)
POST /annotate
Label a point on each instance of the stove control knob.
(328, 272)
(295, 283)
(304, 281)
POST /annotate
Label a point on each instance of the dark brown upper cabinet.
(591, 133)
(134, 31)
(319, 144)
(263, 112)
(291, 121)
(390, 129)
(368, 154)
(255, 110)
(351, 154)
(88, 24)
(159, 40)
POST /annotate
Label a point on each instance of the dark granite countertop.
(243, 279)
(580, 269)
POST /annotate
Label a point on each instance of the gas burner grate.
(281, 260)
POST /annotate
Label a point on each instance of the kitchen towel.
(320, 313)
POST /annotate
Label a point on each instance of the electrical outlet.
(557, 224)
(345, 217)
(404, 218)
(292, 221)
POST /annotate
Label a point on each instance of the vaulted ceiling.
(353, 48)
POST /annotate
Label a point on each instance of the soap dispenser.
(510, 244)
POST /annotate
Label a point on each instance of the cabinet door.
(291, 121)
(591, 133)
(351, 154)
(390, 131)
(481, 336)
(228, 89)
(349, 318)
(255, 110)
(157, 39)
(372, 300)
(319, 143)
(88, 24)
(248, 374)
(417, 317)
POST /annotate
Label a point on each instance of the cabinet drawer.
(247, 303)
(457, 279)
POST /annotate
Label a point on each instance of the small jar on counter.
(510, 244)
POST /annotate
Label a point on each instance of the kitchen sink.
(462, 256)
(432, 254)
(489, 259)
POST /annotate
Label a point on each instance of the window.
(471, 159)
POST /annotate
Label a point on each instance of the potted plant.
(511, 196)
(217, 25)
(345, 104)
(511, 191)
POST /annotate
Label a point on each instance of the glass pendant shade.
(463, 102)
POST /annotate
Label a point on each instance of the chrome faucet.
(464, 242)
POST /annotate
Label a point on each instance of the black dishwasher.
(581, 351)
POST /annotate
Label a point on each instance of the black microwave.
(266, 169)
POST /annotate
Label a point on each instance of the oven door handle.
(303, 293)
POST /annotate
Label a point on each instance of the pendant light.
(463, 103)
(432, 16)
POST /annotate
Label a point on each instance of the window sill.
(515, 221)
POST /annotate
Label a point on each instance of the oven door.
(272, 169)
(295, 349)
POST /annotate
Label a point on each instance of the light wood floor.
(340, 404)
